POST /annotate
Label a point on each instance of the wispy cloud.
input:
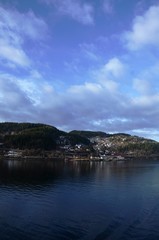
(14, 103)
(108, 6)
(145, 30)
(14, 54)
(89, 51)
(15, 29)
(77, 10)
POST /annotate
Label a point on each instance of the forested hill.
(13, 127)
(35, 136)
(90, 134)
(120, 143)
(45, 137)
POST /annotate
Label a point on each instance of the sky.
(81, 64)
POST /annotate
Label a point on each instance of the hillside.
(126, 145)
(36, 136)
(120, 143)
(42, 137)
(90, 134)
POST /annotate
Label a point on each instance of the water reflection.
(78, 200)
(45, 171)
(32, 172)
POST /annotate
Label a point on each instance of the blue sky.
(81, 64)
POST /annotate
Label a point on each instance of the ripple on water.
(79, 201)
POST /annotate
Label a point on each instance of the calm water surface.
(43, 200)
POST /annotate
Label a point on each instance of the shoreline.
(57, 155)
(91, 159)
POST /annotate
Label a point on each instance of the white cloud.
(110, 85)
(148, 101)
(86, 106)
(48, 88)
(108, 74)
(13, 54)
(13, 100)
(94, 88)
(81, 12)
(142, 86)
(33, 26)
(145, 30)
(23, 23)
(115, 67)
(15, 29)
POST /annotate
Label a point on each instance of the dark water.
(84, 200)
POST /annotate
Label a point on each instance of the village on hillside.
(117, 147)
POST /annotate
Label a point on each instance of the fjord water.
(79, 200)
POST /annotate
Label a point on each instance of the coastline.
(16, 154)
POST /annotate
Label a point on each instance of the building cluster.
(100, 148)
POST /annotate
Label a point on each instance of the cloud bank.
(107, 90)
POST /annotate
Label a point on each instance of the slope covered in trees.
(38, 136)
(90, 134)
(35, 136)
